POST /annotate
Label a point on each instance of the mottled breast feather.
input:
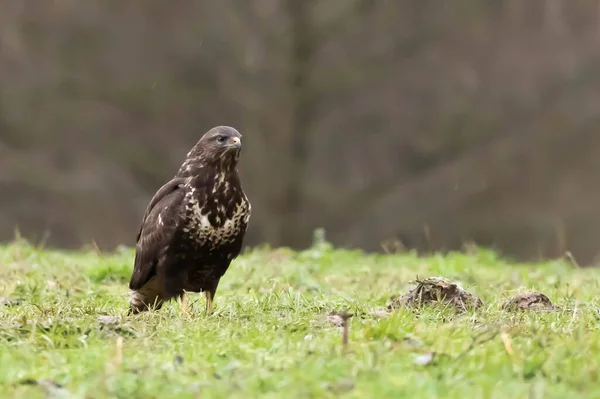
(216, 213)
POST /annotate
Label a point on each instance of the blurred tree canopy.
(413, 123)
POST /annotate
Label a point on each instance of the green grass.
(270, 335)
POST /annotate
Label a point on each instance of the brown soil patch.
(529, 301)
(436, 290)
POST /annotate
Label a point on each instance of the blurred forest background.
(411, 123)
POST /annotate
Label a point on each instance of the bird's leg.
(209, 294)
(183, 306)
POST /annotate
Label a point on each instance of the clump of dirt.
(436, 290)
(529, 301)
(114, 325)
(109, 321)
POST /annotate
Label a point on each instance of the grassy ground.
(64, 333)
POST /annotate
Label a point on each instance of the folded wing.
(161, 220)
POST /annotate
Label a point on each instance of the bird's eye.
(221, 139)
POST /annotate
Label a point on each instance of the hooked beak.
(236, 143)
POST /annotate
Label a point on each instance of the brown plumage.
(193, 227)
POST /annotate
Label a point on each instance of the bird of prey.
(193, 227)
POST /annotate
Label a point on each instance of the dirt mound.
(436, 290)
(529, 301)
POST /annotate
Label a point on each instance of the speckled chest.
(216, 215)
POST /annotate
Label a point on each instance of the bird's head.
(219, 147)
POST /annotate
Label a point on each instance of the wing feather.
(160, 221)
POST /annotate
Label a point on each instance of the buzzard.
(193, 227)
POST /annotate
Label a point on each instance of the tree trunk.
(302, 48)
